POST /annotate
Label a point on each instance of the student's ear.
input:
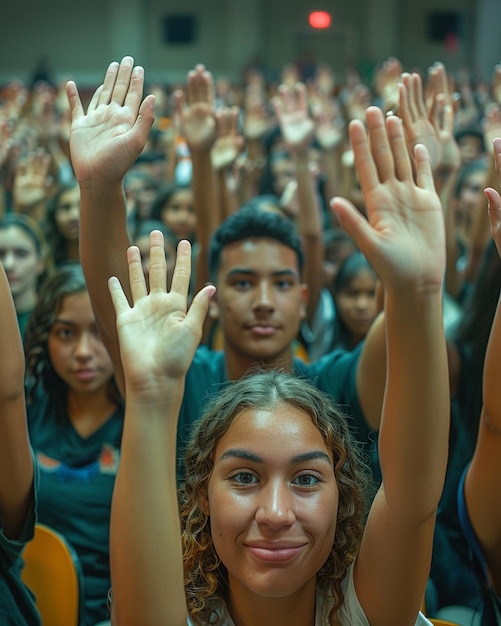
(305, 295)
(213, 309)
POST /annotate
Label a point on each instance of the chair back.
(442, 622)
(53, 572)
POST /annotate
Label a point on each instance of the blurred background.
(61, 38)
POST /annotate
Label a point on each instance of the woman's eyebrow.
(241, 454)
(238, 453)
(314, 455)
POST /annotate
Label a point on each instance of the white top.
(350, 614)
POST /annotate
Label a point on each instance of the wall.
(82, 38)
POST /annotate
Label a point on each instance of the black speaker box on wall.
(179, 29)
(444, 24)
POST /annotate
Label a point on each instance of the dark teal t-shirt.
(17, 606)
(77, 476)
(334, 374)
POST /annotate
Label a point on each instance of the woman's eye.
(306, 480)
(63, 333)
(244, 478)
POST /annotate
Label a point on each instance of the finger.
(301, 95)
(134, 93)
(496, 144)
(379, 143)
(74, 101)
(198, 309)
(235, 112)
(395, 130)
(182, 270)
(355, 224)
(364, 163)
(95, 99)
(424, 173)
(123, 80)
(137, 281)
(494, 206)
(417, 88)
(109, 83)
(403, 105)
(120, 302)
(143, 123)
(158, 265)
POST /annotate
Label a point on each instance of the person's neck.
(72, 250)
(89, 411)
(25, 301)
(238, 365)
(248, 609)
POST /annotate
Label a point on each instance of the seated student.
(62, 224)
(26, 260)
(17, 476)
(256, 261)
(355, 298)
(272, 521)
(75, 419)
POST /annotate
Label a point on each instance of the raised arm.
(298, 130)
(482, 479)
(404, 240)
(104, 142)
(158, 338)
(16, 463)
(196, 120)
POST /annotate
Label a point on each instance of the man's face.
(260, 301)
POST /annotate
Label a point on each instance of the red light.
(320, 19)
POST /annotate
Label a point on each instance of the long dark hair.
(39, 369)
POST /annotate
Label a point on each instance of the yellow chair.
(441, 622)
(54, 574)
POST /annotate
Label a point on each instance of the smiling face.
(76, 351)
(260, 302)
(273, 500)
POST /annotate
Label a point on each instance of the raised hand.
(105, 141)
(256, 117)
(158, 335)
(291, 108)
(329, 123)
(194, 114)
(404, 235)
(412, 110)
(441, 112)
(229, 143)
(387, 81)
(31, 180)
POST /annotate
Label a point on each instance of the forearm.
(310, 229)
(332, 165)
(414, 429)
(206, 201)
(16, 466)
(145, 549)
(103, 244)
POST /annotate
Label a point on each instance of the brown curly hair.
(205, 577)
